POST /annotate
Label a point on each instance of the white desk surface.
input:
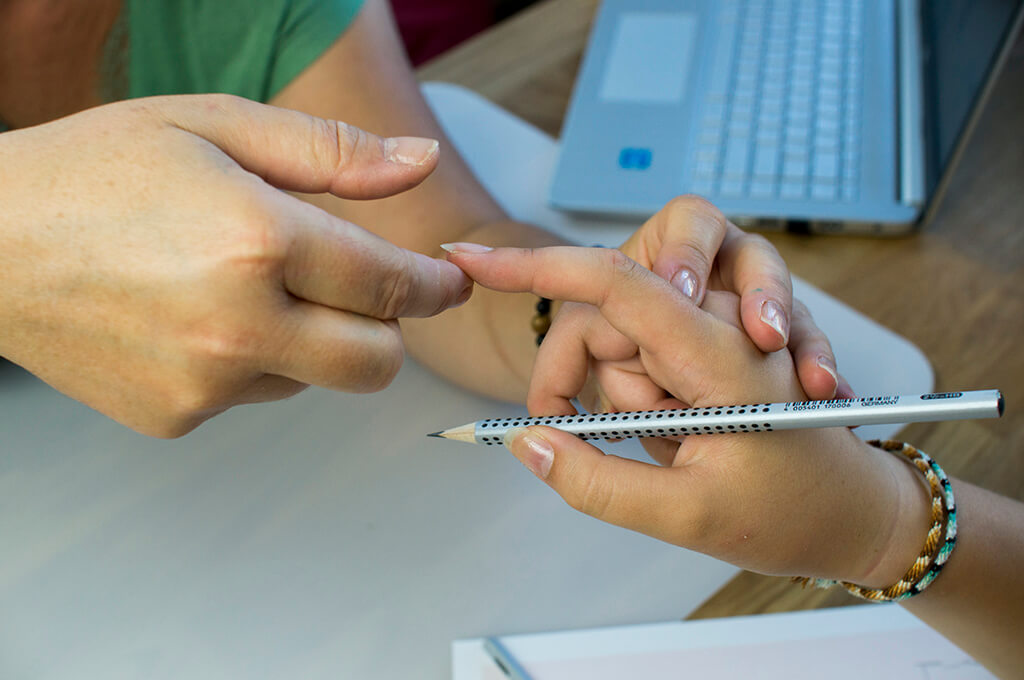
(323, 536)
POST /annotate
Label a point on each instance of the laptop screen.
(963, 39)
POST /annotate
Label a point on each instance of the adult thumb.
(627, 493)
(298, 152)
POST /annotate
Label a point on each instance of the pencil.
(747, 417)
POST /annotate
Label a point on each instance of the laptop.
(812, 115)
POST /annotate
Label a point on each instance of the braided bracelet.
(541, 322)
(937, 548)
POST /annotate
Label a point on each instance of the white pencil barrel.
(759, 417)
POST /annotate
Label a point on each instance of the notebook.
(844, 643)
(813, 115)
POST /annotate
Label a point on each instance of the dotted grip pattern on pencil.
(664, 423)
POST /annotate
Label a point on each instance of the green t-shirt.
(251, 48)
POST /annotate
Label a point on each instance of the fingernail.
(686, 281)
(410, 150)
(830, 366)
(532, 451)
(843, 389)
(771, 314)
(466, 248)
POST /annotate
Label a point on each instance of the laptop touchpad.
(650, 57)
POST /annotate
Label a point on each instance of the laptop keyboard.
(778, 119)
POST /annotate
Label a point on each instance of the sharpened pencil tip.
(436, 434)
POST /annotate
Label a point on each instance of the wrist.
(904, 512)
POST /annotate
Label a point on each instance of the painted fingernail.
(410, 150)
(532, 451)
(686, 281)
(771, 314)
(829, 365)
(466, 248)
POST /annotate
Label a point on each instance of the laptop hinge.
(911, 104)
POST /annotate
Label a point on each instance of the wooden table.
(954, 289)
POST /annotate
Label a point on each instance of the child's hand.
(812, 502)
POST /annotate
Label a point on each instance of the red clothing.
(429, 27)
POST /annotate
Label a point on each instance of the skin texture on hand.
(775, 502)
(153, 269)
(363, 79)
(691, 245)
(492, 332)
(674, 244)
(808, 502)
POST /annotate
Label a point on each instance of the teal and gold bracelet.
(939, 543)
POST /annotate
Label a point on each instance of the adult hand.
(814, 502)
(153, 269)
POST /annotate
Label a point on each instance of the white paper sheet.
(845, 643)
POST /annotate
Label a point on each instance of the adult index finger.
(338, 264)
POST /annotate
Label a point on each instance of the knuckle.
(225, 101)
(222, 345)
(594, 494)
(193, 402)
(340, 140)
(801, 314)
(622, 268)
(622, 265)
(254, 241)
(806, 333)
(697, 258)
(335, 144)
(691, 206)
(174, 428)
(350, 142)
(212, 103)
(229, 103)
(698, 527)
(397, 288)
(756, 245)
(536, 399)
(379, 365)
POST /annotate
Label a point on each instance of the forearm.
(978, 599)
(487, 344)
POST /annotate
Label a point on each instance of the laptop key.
(793, 170)
(704, 170)
(706, 155)
(710, 138)
(765, 162)
(826, 166)
(762, 188)
(702, 187)
(780, 110)
(823, 192)
(731, 188)
(735, 161)
(792, 190)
